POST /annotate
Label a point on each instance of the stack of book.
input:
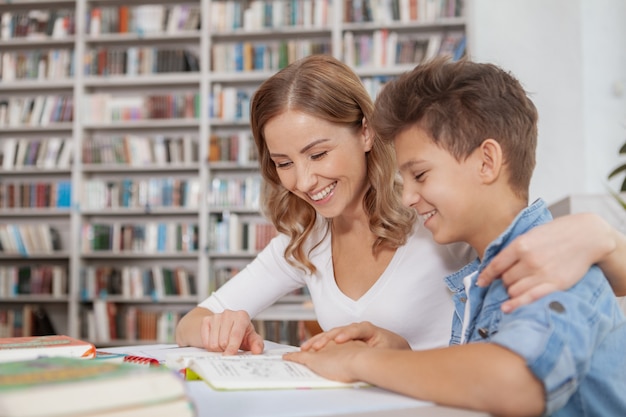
(63, 386)
(60, 376)
(33, 347)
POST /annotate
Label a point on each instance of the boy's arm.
(478, 376)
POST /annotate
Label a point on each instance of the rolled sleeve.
(555, 336)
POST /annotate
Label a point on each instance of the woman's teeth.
(324, 193)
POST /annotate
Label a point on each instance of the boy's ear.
(492, 160)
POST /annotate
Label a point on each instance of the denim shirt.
(573, 341)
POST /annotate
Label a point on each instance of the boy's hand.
(333, 361)
(365, 331)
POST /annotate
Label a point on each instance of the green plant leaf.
(617, 170)
(622, 150)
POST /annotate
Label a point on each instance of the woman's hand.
(228, 332)
(555, 256)
(365, 331)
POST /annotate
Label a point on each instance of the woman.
(332, 193)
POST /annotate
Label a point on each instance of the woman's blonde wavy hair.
(324, 87)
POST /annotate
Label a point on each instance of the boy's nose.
(410, 197)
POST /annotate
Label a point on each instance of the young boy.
(465, 136)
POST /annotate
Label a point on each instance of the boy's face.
(439, 187)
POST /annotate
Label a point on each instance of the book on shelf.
(135, 60)
(23, 152)
(64, 158)
(9, 150)
(134, 282)
(70, 386)
(246, 371)
(20, 155)
(109, 321)
(41, 323)
(36, 194)
(33, 347)
(33, 279)
(289, 332)
(41, 153)
(151, 237)
(24, 320)
(27, 239)
(143, 19)
(141, 193)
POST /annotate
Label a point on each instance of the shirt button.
(462, 299)
(484, 333)
(556, 306)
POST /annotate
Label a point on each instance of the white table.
(345, 402)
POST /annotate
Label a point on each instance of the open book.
(246, 371)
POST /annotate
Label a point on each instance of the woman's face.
(321, 162)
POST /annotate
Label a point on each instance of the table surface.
(345, 402)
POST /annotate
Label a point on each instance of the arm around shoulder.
(614, 263)
(556, 255)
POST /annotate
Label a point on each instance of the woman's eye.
(282, 164)
(419, 177)
(317, 156)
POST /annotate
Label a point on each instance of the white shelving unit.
(73, 313)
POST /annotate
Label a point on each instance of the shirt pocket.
(488, 323)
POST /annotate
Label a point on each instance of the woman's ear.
(492, 160)
(367, 134)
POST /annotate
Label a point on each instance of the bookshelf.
(125, 141)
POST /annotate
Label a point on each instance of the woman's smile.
(324, 193)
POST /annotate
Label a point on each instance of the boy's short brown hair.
(460, 104)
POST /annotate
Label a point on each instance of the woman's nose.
(306, 179)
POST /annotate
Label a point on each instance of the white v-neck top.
(410, 298)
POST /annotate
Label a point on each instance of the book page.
(181, 357)
(265, 371)
(175, 357)
(249, 371)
